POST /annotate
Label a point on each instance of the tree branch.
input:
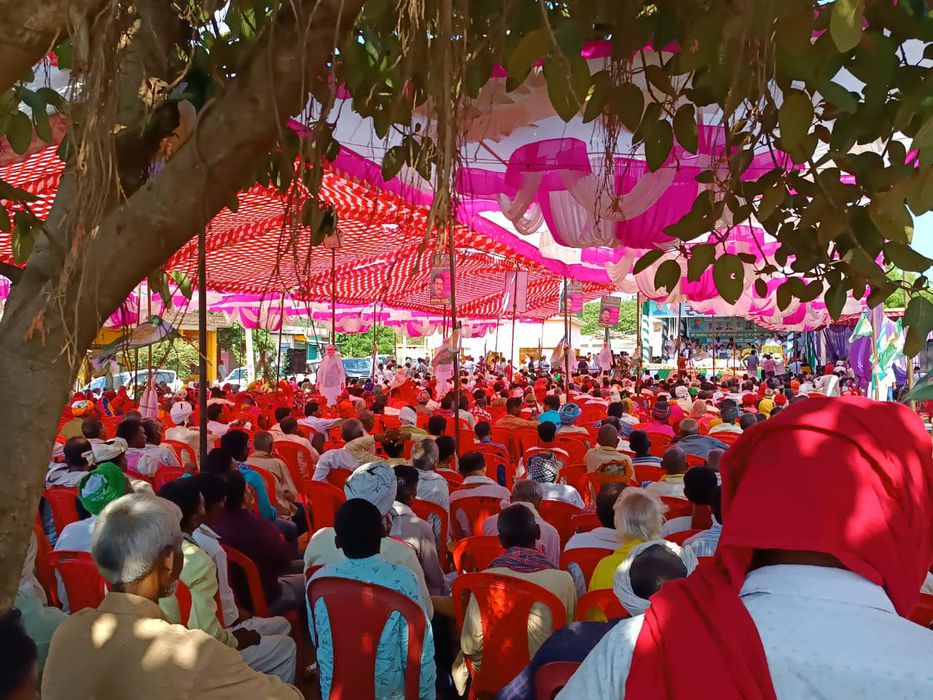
(29, 30)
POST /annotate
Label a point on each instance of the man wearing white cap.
(115, 451)
(408, 417)
(376, 483)
(180, 413)
(331, 376)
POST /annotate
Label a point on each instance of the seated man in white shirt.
(181, 414)
(812, 585)
(214, 425)
(341, 458)
(414, 531)
(475, 481)
(674, 464)
(164, 455)
(730, 414)
(314, 421)
(529, 494)
(137, 458)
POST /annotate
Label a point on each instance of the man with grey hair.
(432, 486)
(692, 443)
(137, 548)
(530, 494)
(341, 458)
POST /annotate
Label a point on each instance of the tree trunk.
(51, 320)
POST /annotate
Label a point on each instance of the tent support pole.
(569, 343)
(514, 314)
(278, 353)
(333, 296)
(454, 329)
(202, 344)
(638, 337)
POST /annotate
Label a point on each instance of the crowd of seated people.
(649, 527)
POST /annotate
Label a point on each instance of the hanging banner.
(515, 298)
(575, 294)
(439, 281)
(609, 311)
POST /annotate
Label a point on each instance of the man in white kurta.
(331, 376)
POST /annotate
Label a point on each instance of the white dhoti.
(276, 654)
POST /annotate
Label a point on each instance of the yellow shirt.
(126, 649)
(606, 568)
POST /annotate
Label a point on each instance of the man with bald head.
(674, 464)
(606, 457)
(342, 458)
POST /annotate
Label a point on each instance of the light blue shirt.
(703, 544)
(266, 510)
(393, 644)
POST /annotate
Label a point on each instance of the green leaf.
(838, 96)
(685, 128)
(8, 191)
(24, 236)
(699, 220)
(19, 133)
(596, 100)
(157, 281)
(659, 139)
(49, 96)
(761, 288)
(646, 260)
(794, 117)
(892, 219)
(905, 257)
(392, 162)
(183, 282)
(657, 77)
(878, 295)
(918, 318)
(701, 257)
(40, 119)
(835, 299)
(770, 200)
(785, 293)
(667, 275)
(568, 81)
(530, 48)
(729, 276)
(628, 103)
(5, 222)
(845, 23)
(569, 38)
(924, 135)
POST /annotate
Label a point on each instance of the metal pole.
(278, 353)
(514, 312)
(569, 344)
(202, 344)
(333, 296)
(638, 337)
(454, 328)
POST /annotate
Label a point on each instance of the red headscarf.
(868, 501)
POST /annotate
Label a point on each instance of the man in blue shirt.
(359, 530)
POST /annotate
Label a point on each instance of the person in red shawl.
(812, 579)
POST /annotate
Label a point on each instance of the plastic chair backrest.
(727, 437)
(679, 537)
(63, 500)
(324, 499)
(677, 507)
(475, 510)
(574, 446)
(504, 604)
(269, 480)
(184, 452)
(923, 613)
(424, 510)
(164, 475)
(495, 456)
(298, 459)
(83, 583)
(183, 598)
(249, 575)
(509, 438)
(647, 472)
(596, 480)
(604, 601)
(454, 479)
(527, 438)
(474, 553)
(586, 558)
(585, 522)
(338, 477)
(552, 676)
(702, 517)
(695, 460)
(659, 443)
(356, 639)
(560, 514)
(44, 571)
(574, 475)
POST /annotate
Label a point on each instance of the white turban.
(180, 412)
(622, 580)
(374, 482)
(408, 416)
(105, 451)
(681, 392)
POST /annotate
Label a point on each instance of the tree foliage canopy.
(628, 319)
(361, 344)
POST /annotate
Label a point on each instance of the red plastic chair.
(677, 507)
(575, 475)
(596, 480)
(183, 598)
(659, 443)
(297, 457)
(184, 452)
(63, 500)
(603, 601)
(504, 603)
(679, 537)
(586, 558)
(527, 438)
(585, 522)
(727, 437)
(164, 475)
(475, 553)
(702, 517)
(923, 613)
(250, 577)
(323, 501)
(454, 479)
(695, 460)
(83, 583)
(44, 572)
(269, 480)
(560, 514)
(494, 456)
(424, 510)
(338, 477)
(509, 438)
(647, 472)
(550, 678)
(475, 509)
(574, 444)
(356, 638)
